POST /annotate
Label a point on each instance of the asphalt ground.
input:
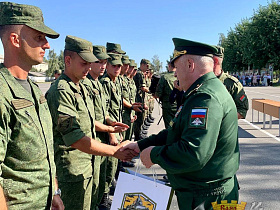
(259, 172)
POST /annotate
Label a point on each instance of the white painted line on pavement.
(263, 93)
(265, 132)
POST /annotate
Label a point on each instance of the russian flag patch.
(198, 118)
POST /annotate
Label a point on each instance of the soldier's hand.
(119, 124)
(113, 140)
(125, 155)
(57, 203)
(146, 107)
(118, 129)
(137, 107)
(130, 145)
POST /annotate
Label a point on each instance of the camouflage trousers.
(77, 195)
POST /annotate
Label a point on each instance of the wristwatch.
(57, 192)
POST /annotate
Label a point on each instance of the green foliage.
(54, 62)
(254, 42)
(156, 64)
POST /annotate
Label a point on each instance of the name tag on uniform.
(198, 118)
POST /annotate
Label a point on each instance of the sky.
(144, 28)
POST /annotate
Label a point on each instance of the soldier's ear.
(14, 39)
(67, 60)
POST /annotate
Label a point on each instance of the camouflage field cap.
(220, 52)
(116, 59)
(22, 14)
(145, 61)
(125, 59)
(114, 48)
(183, 46)
(100, 52)
(132, 63)
(80, 46)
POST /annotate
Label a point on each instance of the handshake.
(128, 150)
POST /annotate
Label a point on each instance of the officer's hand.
(57, 203)
(146, 158)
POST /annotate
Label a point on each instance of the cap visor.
(102, 56)
(88, 56)
(44, 29)
(115, 62)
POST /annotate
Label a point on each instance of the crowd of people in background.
(255, 79)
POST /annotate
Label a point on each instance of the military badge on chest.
(198, 118)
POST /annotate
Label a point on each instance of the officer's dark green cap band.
(183, 47)
(100, 52)
(116, 59)
(132, 63)
(220, 52)
(80, 46)
(114, 48)
(22, 14)
(145, 61)
(125, 59)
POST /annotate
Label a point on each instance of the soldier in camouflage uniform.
(27, 168)
(73, 119)
(163, 91)
(142, 89)
(132, 94)
(104, 126)
(232, 84)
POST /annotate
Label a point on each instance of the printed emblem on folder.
(137, 201)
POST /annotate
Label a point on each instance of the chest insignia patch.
(198, 118)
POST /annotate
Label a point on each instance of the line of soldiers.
(62, 150)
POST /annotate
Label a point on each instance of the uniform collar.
(200, 82)
(16, 88)
(63, 76)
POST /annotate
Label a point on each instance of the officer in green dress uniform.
(200, 150)
(232, 84)
(73, 119)
(163, 91)
(27, 168)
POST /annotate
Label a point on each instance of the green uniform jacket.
(72, 113)
(201, 147)
(236, 90)
(140, 81)
(113, 92)
(98, 97)
(164, 89)
(27, 170)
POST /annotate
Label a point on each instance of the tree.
(54, 62)
(156, 64)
